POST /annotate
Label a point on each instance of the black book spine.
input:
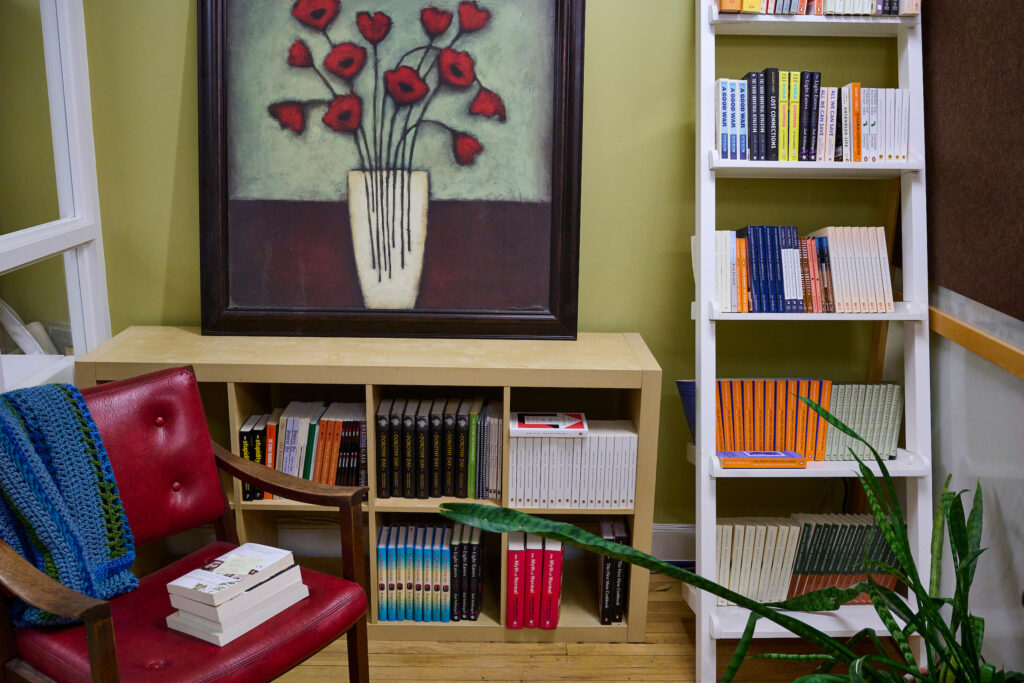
(474, 592)
(259, 454)
(771, 112)
(461, 454)
(449, 455)
(805, 114)
(351, 455)
(436, 459)
(395, 455)
(363, 475)
(621, 582)
(837, 153)
(245, 445)
(383, 469)
(456, 611)
(751, 82)
(606, 590)
(762, 138)
(422, 450)
(409, 456)
(812, 142)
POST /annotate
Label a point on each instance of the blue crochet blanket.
(59, 504)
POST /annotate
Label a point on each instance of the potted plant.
(952, 638)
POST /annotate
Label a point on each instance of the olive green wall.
(638, 198)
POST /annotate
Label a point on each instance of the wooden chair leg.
(358, 657)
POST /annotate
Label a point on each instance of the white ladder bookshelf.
(912, 470)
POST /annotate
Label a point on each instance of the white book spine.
(741, 119)
(733, 120)
(722, 117)
(905, 143)
(819, 152)
(833, 106)
(732, 270)
(846, 109)
(736, 561)
(723, 546)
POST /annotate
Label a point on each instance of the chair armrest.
(287, 486)
(39, 590)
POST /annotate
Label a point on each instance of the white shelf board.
(808, 25)
(18, 371)
(733, 168)
(906, 464)
(905, 310)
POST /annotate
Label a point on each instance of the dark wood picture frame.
(558, 321)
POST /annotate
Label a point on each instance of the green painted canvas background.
(637, 199)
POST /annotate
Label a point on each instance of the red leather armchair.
(166, 467)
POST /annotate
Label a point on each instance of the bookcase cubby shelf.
(607, 376)
(911, 469)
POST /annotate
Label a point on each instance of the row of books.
(769, 559)
(823, 7)
(771, 269)
(766, 415)
(613, 576)
(235, 593)
(593, 471)
(429, 573)
(534, 591)
(428, 448)
(779, 115)
(321, 443)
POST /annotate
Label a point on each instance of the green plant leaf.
(822, 600)
(741, 650)
(974, 530)
(978, 625)
(938, 535)
(879, 603)
(988, 673)
(794, 657)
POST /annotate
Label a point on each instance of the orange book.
(322, 436)
(855, 122)
(791, 414)
(725, 389)
(737, 415)
(742, 305)
(811, 438)
(759, 414)
(800, 435)
(761, 460)
(748, 414)
(730, 5)
(780, 415)
(826, 396)
(769, 413)
(331, 466)
(719, 432)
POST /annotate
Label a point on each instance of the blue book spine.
(446, 595)
(766, 279)
(759, 278)
(382, 575)
(417, 565)
(741, 113)
(392, 577)
(752, 269)
(410, 547)
(435, 575)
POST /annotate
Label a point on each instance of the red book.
(534, 570)
(516, 580)
(551, 590)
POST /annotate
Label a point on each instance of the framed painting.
(390, 167)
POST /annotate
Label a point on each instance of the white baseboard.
(674, 542)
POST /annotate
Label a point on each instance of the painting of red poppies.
(390, 167)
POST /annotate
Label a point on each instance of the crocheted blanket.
(59, 504)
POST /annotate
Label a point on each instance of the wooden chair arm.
(287, 486)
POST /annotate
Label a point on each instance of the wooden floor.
(668, 655)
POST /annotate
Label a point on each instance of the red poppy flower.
(345, 60)
(405, 85)
(374, 27)
(488, 103)
(299, 54)
(344, 113)
(316, 13)
(457, 68)
(466, 148)
(289, 115)
(471, 17)
(435, 21)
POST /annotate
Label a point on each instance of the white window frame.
(76, 235)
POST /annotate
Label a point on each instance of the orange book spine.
(855, 122)
(769, 413)
(741, 275)
(826, 396)
(725, 389)
(780, 415)
(748, 414)
(730, 5)
(323, 435)
(759, 414)
(737, 415)
(331, 469)
(800, 437)
(271, 453)
(791, 414)
(330, 445)
(762, 464)
(719, 431)
(811, 439)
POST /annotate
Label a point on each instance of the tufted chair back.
(155, 433)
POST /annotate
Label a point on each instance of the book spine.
(436, 451)
(805, 117)
(784, 116)
(461, 455)
(245, 445)
(472, 454)
(383, 471)
(814, 137)
(259, 453)
(450, 439)
(363, 475)
(534, 569)
(516, 594)
(733, 121)
(395, 455)
(722, 118)
(607, 589)
(475, 583)
(552, 589)
(742, 118)
(855, 122)
(409, 455)
(805, 277)
(795, 95)
(771, 113)
(422, 455)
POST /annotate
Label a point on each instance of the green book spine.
(806, 532)
(307, 466)
(474, 419)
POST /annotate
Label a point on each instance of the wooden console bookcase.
(609, 376)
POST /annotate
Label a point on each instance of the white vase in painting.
(388, 215)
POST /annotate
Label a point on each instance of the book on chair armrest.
(231, 573)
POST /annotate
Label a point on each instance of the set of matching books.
(439, 447)
(593, 471)
(325, 444)
(235, 593)
(766, 415)
(771, 559)
(534, 591)
(613, 579)
(771, 269)
(819, 7)
(778, 115)
(429, 573)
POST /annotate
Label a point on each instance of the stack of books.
(775, 559)
(430, 573)
(235, 593)
(534, 592)
(779, 115)
(613, 579)
(771, 269)
(877, 8)
(429, 448)
(767, 415)
(325, 444)
(558, 469)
